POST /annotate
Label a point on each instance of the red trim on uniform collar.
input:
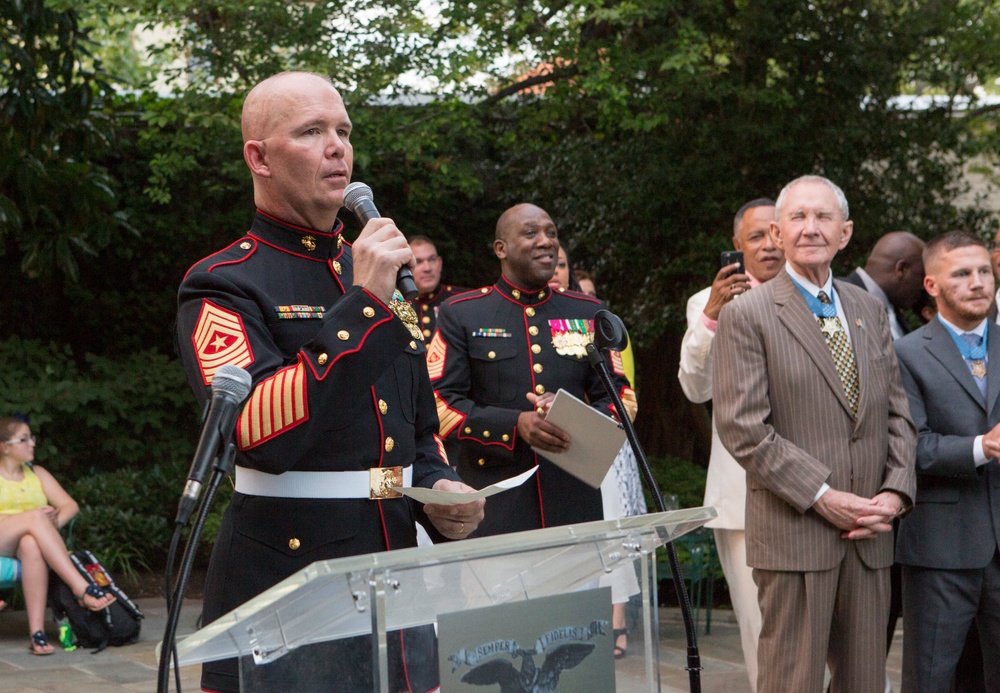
(338, 225)
(526, 297)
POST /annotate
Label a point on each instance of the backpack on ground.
(117, 624)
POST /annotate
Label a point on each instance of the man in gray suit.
(948, 544)
(809, 401)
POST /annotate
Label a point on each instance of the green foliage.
(102, 415)
(127, 516)
(56, 202)
(680, 478)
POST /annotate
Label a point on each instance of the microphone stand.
(168, 650)
(693, 667)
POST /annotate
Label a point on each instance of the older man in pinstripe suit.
(809, 401)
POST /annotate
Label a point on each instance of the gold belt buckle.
(381, 481)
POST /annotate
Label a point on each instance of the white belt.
(372, 483)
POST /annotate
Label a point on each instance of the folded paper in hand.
(594, 439)
(430, 495)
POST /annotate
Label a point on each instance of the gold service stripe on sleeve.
(449, 418)
(277, 404)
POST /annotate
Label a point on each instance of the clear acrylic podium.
(374, 594)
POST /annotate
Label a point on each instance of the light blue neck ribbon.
(819, 309)
(969, 352)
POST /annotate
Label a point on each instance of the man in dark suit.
(948, 544)
(809, 401)
(894, 274)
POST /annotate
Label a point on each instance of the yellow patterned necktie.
(843, 355)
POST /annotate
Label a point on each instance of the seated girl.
(33, 506)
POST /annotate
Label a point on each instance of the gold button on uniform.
(536, 349)
(294, 544)
(343, 335)
(246, 245)
(533, 331)
(505, 437)
(529, 311)
(427, 333)
(382, 406)
(537, 368)
(389, 444)
(467, 430)
(486, 434)
(515, 293)
(485, 289)
(481, 462)
(321, 359)
(337, 268)
(426, 319)
(492, 354)
(539, 389)
(369, 312)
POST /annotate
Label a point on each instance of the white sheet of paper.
(430, 495)
(594, 439)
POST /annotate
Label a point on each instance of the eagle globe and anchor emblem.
(564, 648)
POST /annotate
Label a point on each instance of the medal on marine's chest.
(979, 368)
(404, 311)
(571, 337)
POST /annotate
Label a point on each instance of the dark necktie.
(843, 355)
(976, 366)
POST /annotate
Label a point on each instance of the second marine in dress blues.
(504, 350)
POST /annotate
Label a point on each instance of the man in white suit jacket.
(725, 487)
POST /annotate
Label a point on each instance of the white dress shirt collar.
(978, 330)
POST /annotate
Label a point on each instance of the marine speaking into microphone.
(359, 200)
(230, 387)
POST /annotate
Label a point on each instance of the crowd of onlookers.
(854, 462)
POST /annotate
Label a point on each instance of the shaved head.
(511, 219)
(297, 145)
(894, 246)
(268, 103)
(896, 264)
(527, 243)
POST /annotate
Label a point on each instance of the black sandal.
(38, 639)
(620, 652)
(95, 592)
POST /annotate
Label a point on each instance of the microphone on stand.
(610, 334)
(230, 387)
(359, 200)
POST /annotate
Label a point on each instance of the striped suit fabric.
(782, 413)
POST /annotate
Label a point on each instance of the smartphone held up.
(730, 257)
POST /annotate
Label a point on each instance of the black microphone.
(358, 199)
(609, 331)
(230, 387)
